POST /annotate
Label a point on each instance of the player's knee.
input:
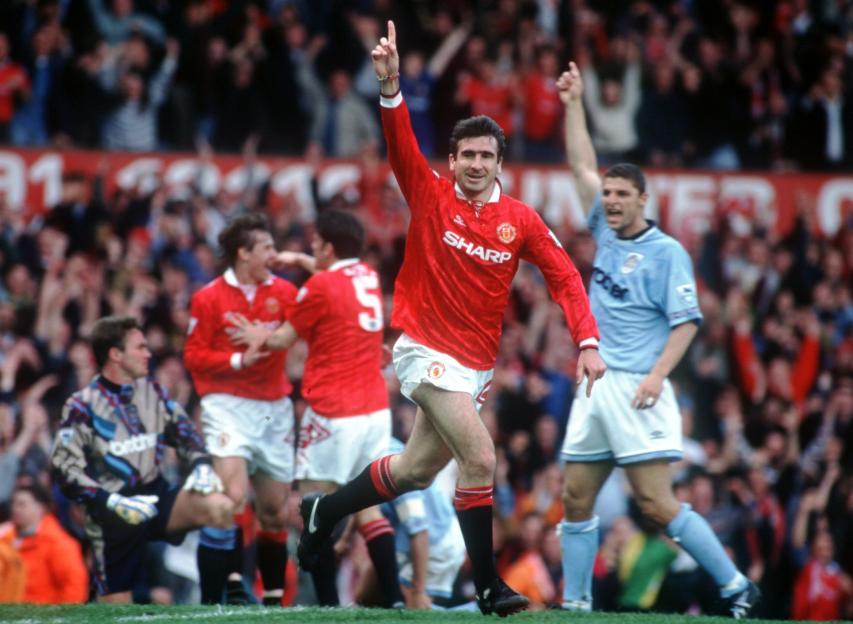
(577, 502)
(652, 509)
(479, 466)
(220, 511)
(272, 518)
(237, 495)
(416, 478)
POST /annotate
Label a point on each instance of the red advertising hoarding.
(684, 201)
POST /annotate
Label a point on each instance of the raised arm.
(413, 173)
(581, 155)
(441, 58)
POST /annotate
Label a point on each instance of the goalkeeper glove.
(204, 480)
(133, 509)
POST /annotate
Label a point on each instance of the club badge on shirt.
(506, 232)
(272, 305)
(632, 261)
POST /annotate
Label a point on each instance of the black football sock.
(214, 557)
(379, 537)
(272, 561)
(373, 486)
(474, 510)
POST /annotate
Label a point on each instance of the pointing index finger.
(392, 33)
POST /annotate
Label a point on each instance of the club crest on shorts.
(272, 305)
(435, 370)
(223, 440)
(632, 260)
(506, 232)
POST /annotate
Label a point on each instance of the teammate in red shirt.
(464, 244)
(247, 416)
(347, 423)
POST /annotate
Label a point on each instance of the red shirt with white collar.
(461, 257)
(213, 361)
(338, 312)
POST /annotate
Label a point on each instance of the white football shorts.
(445, 559)
(338, 449)
(415, 364)
(605, 426)
(261, 432)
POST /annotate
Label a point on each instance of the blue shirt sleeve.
(681, 298)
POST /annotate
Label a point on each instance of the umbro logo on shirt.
(458, 220)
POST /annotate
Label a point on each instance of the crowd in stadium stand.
(766, 390)
(712, 84)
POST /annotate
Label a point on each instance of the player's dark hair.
(241, 233)
(109, 332)
(343, 230)
(630, 172)
(478, 126)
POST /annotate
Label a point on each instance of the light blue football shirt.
(640, 288)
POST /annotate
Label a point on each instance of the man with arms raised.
(247, 416)
(464, 244)
(347, 423)
(107, 456)
(643, 294)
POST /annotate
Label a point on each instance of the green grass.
(96, 614)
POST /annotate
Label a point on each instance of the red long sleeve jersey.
(461, 257)
(338, 312)
(208, 351)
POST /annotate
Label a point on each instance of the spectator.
(612, 103)
(343, 123)
(119, 23)
(821, 588)
(132, 122)
(14, 87)
(34, 120)
(53, 560)
(543, 109)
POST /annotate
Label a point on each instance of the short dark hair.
(628, 172)
(240, 234)
(478, 126)
(39, 493)
(343, 230)
(109, 332)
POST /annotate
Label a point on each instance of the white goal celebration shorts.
(261, 432)
(338, 449)
(415, 364)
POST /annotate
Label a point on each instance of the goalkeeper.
(108, 452)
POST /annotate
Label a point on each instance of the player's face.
(323, 252)
(476, 166)
(259, 257)
(623, 206)
(134, 358)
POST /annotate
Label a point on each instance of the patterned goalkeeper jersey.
(112, 438)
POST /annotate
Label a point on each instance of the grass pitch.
(130, 614)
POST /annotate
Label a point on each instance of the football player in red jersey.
(347, 423)
(464, 243)
(247, 416)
